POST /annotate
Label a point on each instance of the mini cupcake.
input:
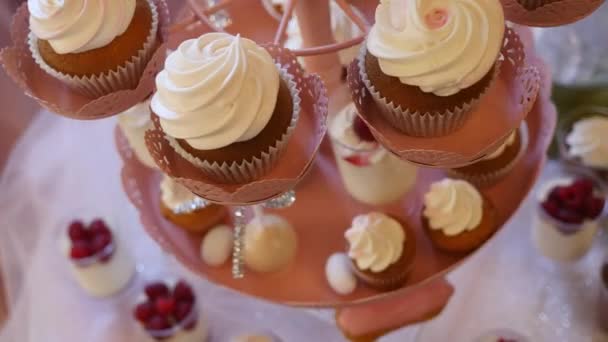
(456, 217)
(497, 164)
(96, 47)
(226, 107)
(427, 63)
(134, 123)
(186, 210)
(586, 142)
(381, 250)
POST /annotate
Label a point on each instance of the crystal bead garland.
(238, 271)
(283, 201)
(220, 19)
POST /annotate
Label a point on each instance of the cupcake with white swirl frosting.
(427, 63)
(226, 107)
(457, 217)
(587, 141)
(381, 249)
(96, 47)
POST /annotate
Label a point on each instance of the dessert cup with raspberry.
(100, 263)
(567, 219)
(370, 173)
(170, 312)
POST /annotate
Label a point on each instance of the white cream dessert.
(440, 46)
(75, 26)
(370, 174)
(270, 244)
(566, 222)
(342, 27)
(171, 312)
(587, 141)
(100, 263)
(134, 123)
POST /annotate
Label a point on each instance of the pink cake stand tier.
(320, 235)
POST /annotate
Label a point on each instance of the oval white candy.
(339, 274)
(217, 245)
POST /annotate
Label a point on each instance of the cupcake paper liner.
(381, 284)
(248, 170)
(417, 124)
(545, 13)
(490, 178)
(126, 76)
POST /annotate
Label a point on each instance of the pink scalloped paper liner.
(56, 96)
(290, 168)
(499, 112)
(548, 12)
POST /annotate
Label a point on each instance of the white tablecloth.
(61, 169)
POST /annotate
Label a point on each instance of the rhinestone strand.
(238, 271)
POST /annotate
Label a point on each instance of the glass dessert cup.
(373, 176)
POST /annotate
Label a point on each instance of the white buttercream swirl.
(510, 141)
(376, 241)
(134, 123)
(74, 26)
(453, 206)
(174, 194)
(588, 141)
(440, 46)
(216, 90)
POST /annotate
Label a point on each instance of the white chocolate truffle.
(339, 274)
(217, 245)
(270, 244)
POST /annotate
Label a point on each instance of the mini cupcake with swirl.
(226, 107)
(381, 249)
(96, 47)
(427, 63)
(456, 217)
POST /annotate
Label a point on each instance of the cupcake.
(497, 164)
(186, 210)
(134, 123)
(586, 142)
(381, 250)
(226, 107)
(170, 312)
(426, 64)
(456, 217)
(96, 47)
(567, 219)
(532, 5)
(271, 244)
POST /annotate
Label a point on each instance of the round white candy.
(217, 245)
(339, 274)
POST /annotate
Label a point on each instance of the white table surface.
(63, 168)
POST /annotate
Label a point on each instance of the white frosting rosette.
(588, 141)
(76, 26)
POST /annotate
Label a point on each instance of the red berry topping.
(362, 130)
(182, 310)
(100, 242)
(594, 207)
(77, 231)
(156, 290)
(98, 227)
(357, 160)
(551, 207)
(164, 305)
(158, 322)
(144, 311)
(570, 216)
(80, 250)
(583, 186)
(183, 292)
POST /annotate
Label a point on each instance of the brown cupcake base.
(197, 222)
(107, 58)
(395, 276)
(469, 240)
